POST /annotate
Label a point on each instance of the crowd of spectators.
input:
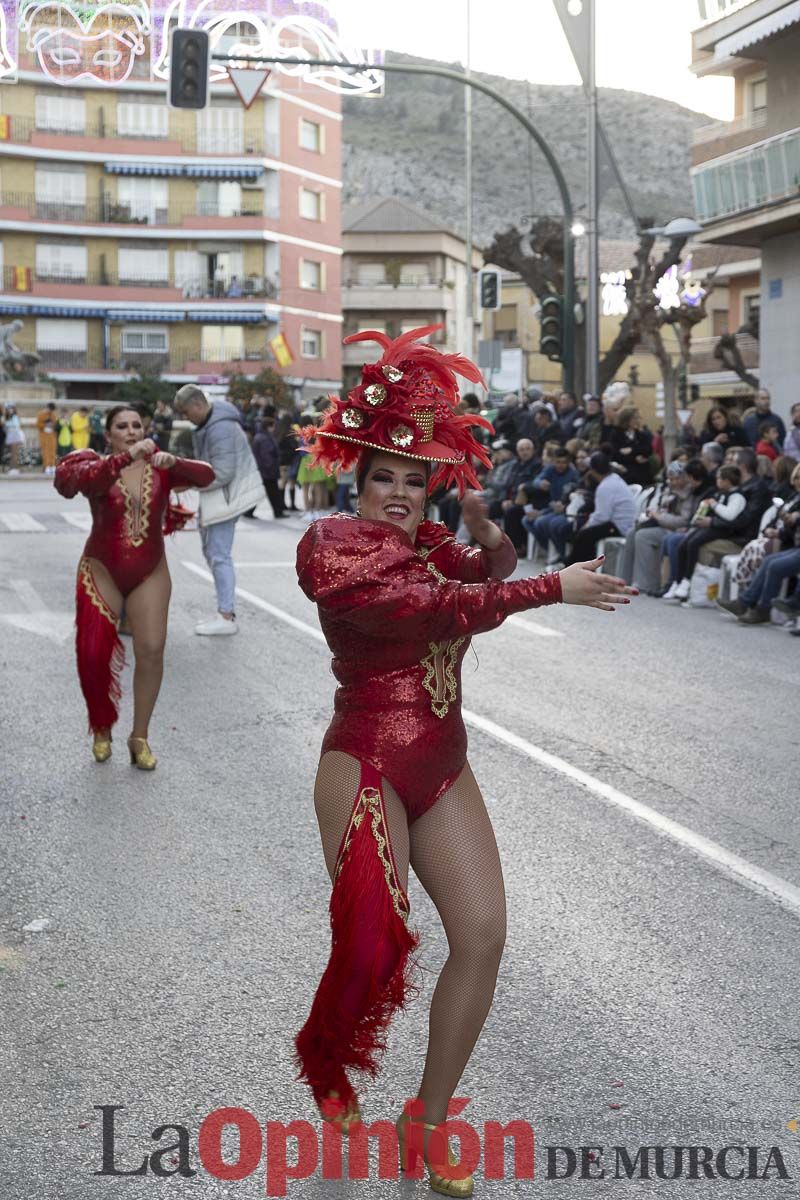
(566, 477)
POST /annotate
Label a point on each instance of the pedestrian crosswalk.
(72, 522)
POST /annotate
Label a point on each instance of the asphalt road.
(648, 991)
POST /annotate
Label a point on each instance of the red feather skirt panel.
(99, 651)
(368, 976)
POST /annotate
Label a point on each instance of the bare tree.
(729, 352)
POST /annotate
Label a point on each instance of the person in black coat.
(721, 426)
(267, 455)
(631, 447)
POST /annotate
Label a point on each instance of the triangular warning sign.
(248, 82)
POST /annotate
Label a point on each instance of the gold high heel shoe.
(345, 1120)
(141, 754)
(410, 1153)
(101, 747)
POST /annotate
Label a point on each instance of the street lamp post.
(527, 124)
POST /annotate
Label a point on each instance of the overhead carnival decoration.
(108, 43)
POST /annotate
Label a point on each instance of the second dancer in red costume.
(124, 562)
(399, 600)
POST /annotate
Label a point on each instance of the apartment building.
(403, 269)
(135, 236)
(746, 172)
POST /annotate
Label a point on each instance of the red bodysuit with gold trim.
(399, 619)
(127, 528)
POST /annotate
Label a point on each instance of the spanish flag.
(22, 279)
(280, 348)
(5, 128)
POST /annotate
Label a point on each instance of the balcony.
(703, 361)
(103, 285)
(761, 175)
(23, 206)
(66, 360)
(725, 137)
(428, 295)
(99, 137)
(713, 10)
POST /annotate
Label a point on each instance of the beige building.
(403, 269)
(746, 172)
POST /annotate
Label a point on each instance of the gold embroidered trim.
(137, 517)
(370, 802)
(436, 573)
(445, 690)
(90, 587)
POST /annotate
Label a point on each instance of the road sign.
(490, 354)
(248, 82)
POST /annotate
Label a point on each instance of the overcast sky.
(642, 45)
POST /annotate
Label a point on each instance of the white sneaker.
(13, 471)
(217, 626)
(682, 592)
(672, 592)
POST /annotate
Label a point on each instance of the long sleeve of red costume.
(86, 472)
(371, 576)
(473, 565)
(190, 472)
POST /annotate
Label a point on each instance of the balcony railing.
(23, 279)
(712, 10)
(717, 130)
(758, 175)
(427, 280)
(67, 358)
(107, 211)
(235, 143)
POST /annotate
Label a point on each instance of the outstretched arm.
(86, 472)
(190, 472)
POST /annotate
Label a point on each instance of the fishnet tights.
(454, 854)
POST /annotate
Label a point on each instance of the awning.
(48, 310)
(213, 316)
(143, 314)
(758, 31)
(194, 171)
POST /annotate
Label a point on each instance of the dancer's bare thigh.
(105, 585)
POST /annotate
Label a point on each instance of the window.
(378, 325)
(311, 343)
(310, 204)
(415, 273)
(143, 264)
(144, 200)
(142, 116)
(219, 198)
(719, 318)
(311, 136)
(415, 323)
(60, 260)
(751, 308)
(370, 273)
(60, 191)
(755, 101)
(144, 339)
(58, 112)
(311, 274)
(221, 343)
(220, 128)
(61, 342)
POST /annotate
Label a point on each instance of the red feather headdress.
(405, 404)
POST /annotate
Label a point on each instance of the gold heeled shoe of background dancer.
(141, 754)
(409, 1153)
(101, 747)
(332, 1109)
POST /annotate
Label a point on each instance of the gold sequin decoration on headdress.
(393, 374)
(375, 394)
(401, 435)
(424, 419)
(352, 418)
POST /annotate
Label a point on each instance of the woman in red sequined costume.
(124, 560)
(399, 600)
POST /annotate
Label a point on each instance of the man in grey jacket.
(220, 440)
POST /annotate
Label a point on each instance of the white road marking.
(534, 627)
(20, 522)
(80, 520)
(37, 618)
(772, 887)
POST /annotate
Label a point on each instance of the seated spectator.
(712, 455)
(702, 486)
(791, 446)
(754, 421)
(614, 510)
(672, 512)
(723, 427)
(713, 518)
(775, 537)
(234, 287)
(525, 468)
(545, 494)
(594, 430)
(771, 439)
(757, 493)
(631, 447)
(780, 485)
(570, 415)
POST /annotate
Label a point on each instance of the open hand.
(162, 459)
(475, 515)
(582, 584)
(144, 449)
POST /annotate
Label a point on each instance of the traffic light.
(550, 335)
(188, 68)
(489, 289)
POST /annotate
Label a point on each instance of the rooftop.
(389, 214)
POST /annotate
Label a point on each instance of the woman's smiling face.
(394, 490)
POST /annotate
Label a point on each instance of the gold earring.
(358, 511)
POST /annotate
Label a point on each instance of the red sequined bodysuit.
(399, 619)
(127, 529)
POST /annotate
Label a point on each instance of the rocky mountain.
(410, 143)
